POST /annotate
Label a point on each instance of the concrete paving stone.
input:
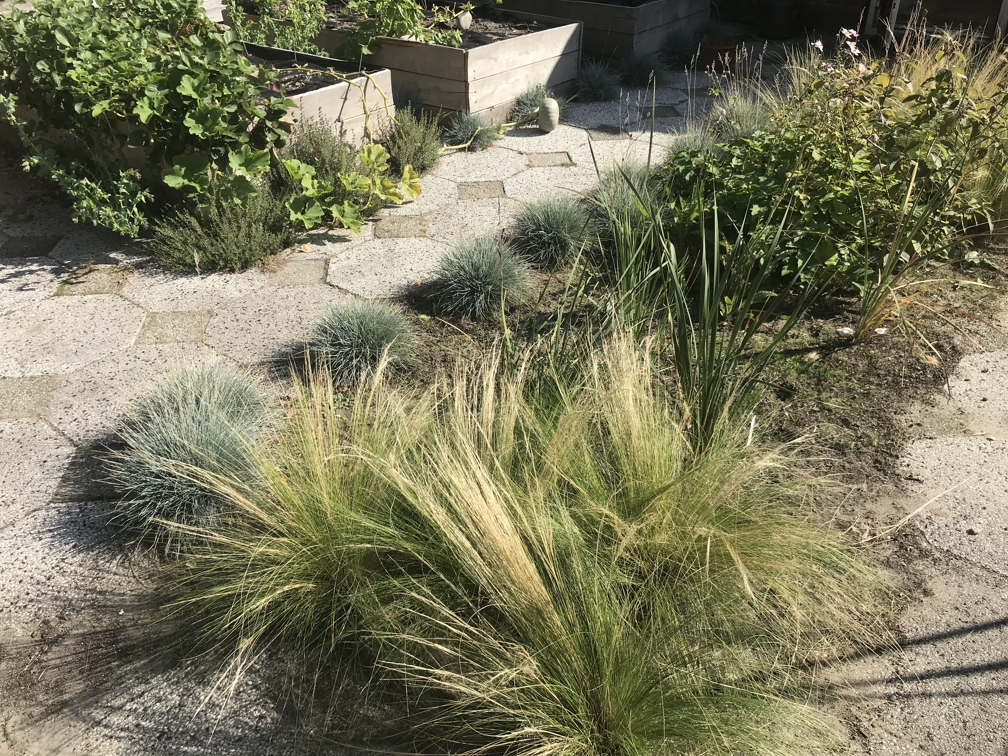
(478, 190)
(95, 279)
(299, 272)
(549, 159)
(37, 217)
(184, 326)
(401, 227)
(660, 112)
(435, 193)
(485, 165)
(27, 281)
(91, 245)
(475, 218)
(386, 267)
(63, 334)
(33, 456)
(91, 401)
(27, 397)
(160, 291)
(27, 246)
(551, 182)
(268, 326)
(528, 140)
(608, 154)
(315, 243)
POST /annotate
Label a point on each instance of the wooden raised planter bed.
(619, 29)
(356, 106)
(485, 80)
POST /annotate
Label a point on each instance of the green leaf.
(188, 171)
(249, 163)
(142, 110)
(238, 189)
(410, 183)
(61, 38)
(187, 87)
(347, 215)
(307, 211)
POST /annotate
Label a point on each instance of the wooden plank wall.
(344, 104)
(616, 30)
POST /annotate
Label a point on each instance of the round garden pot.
(714, 51)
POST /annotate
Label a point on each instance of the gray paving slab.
(549, 159)
(63, 334)
(26, 245)
(564, 137)
(474, 218)
(174, 327)
(401, 227)
(297, 271)
(386, 267)
(157, 290)
(27, 281)
(27, 397)
(33, 456)
(90, 402)
(479, 190)
(551, 182)
(95, 279)
(485, 165)
(267, 326)
(91, 245)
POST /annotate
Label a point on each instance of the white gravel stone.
(386, 267)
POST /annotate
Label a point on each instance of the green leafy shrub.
(641, 69)
(596, 82)
(135, 100)
(354, 336)
(471, 131)
(480, 277)
(413, 139)
(529, 101)
(398, 18)
(220, 235)
(288, 24)
(539, 568)
(847, 152)
(201, 421)
(550, 232)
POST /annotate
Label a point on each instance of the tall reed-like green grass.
(538, 568)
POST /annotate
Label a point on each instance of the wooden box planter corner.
(361, 105)
(484, 80)
(618, 29)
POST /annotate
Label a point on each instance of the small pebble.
(972, 531)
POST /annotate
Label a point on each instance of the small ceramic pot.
(549, 115)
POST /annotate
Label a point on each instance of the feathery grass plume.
(352, 337)
(201, 418)
(471, 130)
(414, 138)
(738, 115)
(596, 82)
(550, 232)
(539, 569)
(479, 277)
(529, 101)
(220, 235)
(640, 69)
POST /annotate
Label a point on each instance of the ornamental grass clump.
(537, 565)
(470, 131)
(550, 232)
(194, 427)
(596, 82)
(481, 278)
(528, 102)
(353, 337)
(641, 70)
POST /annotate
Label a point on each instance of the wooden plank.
(421, 58)
(509, 54)
(652, 40)
(657, 14)
(618, 18)
(436, 93)
(507, 85)
(603, 42)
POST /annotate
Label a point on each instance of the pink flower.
(849, 33)
(818, 45)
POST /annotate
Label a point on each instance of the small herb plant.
(136, 99)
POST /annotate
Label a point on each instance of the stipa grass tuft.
(354, 336)
(471, 130)
(596, 82)
(640, 70)
(479, 277)
(539, 567)
(529, 101)
(199, 419)
(413, 139)
(550, 232)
